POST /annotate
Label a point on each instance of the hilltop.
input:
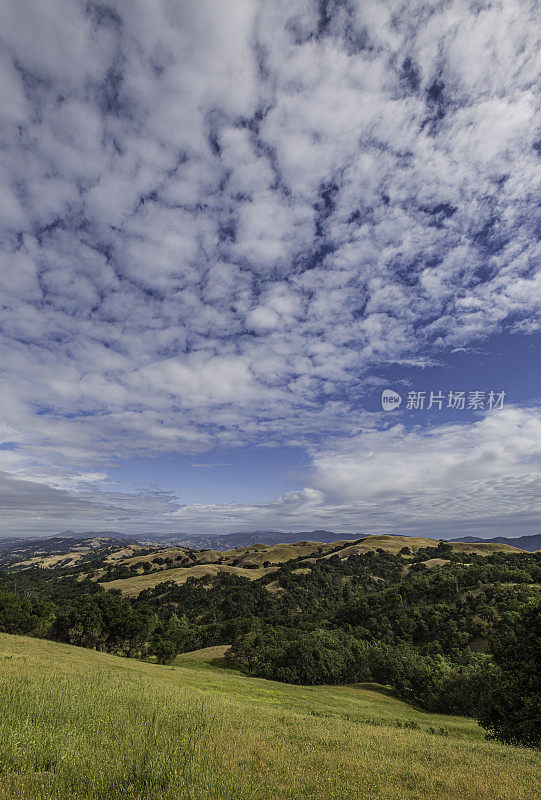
(531, 543)
(56, 551)
(240, 550)
(128, 565)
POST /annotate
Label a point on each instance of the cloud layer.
(451, 480)
(219, 217)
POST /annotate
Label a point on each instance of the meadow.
(76, 723)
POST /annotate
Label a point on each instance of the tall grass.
(77, 724)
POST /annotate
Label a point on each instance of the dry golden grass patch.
(132, 586)
(435, 562)
(67, 559)
(393, 544)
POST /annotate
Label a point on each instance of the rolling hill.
(81, 724)
(55, 551)
(133, 585)
(178, 564)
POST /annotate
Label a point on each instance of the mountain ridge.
(531, 542)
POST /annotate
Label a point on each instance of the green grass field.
(79, 724)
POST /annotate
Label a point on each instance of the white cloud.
(451, 480)
(217, 214)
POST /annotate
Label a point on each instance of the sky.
(228, 226)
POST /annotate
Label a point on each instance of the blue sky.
(228, 226)
(225, 475)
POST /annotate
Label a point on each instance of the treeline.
(82, 613)
(437, 636)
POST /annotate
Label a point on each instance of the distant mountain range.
(531, 543)
(67, 540)
(240, 539)
(244, 539)
(94, 535)
(203, 542)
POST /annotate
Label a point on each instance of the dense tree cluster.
(434, 682)
(509, 704)
(83, 613)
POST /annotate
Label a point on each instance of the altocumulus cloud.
(218, 217)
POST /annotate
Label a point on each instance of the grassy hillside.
(54, 552)
(80, 724)
(393, 544)
(101, 554)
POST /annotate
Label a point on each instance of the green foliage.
(315, 657)
(371, 617)
(326, 657)
(509, 706)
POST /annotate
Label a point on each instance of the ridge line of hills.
(221, 542)
(131, 566)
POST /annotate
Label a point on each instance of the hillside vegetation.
(80, 724)
(449, 629)
(132, 572)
